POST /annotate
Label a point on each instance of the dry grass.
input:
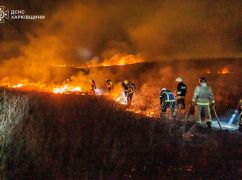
(13, 107)
(88, 137)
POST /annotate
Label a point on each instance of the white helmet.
(163, 89)
(179, 79)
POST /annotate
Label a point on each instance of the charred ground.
(68, 136)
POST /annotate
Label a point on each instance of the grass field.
(47, 136)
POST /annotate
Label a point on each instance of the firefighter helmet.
(126, 81)
(202, 80)
(179, 79)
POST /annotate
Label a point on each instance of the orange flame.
(77, 90)
(224, 70)
(82, 87)
(116, 60)
(122, 60)
(67, 89)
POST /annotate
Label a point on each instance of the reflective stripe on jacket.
(203, 95)
(167, 96)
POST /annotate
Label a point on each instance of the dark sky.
(75, 31)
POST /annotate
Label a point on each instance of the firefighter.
(167, 100)
(109, 85)
(93, 86)
(240, 115)
(203, 99)
(128, 88)
(181, 92)
(133, 85)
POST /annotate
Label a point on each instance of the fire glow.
(116, 60)
(224, 70)
(66, 89)
(78, 90)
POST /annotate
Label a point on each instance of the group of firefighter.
(203, 99)
(128, 89)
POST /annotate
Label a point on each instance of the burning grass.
(148, 77)
(89, 137)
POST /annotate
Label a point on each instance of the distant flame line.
(91, 66)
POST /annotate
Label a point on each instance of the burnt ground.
(48, 136)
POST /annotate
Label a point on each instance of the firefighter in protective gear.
(128, 88)
(181, 92)
(133, 85)
(109, 85)
(203, 98)
(240, 115)
(167, 100)
(93, 86)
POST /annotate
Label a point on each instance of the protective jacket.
(181, 90)
(203, 95)
(167, 96)
(128, 88)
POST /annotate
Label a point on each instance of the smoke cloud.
(75, 32)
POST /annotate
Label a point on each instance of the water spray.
(232, 119)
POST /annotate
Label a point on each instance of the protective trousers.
(129, 99)
(206, 109)
(181, 102)
(170, 105)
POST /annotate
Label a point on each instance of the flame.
(120, 98)
(18, 86)
(116, 60)
(41, 87)
(116, 95)
(224, 70)
(122, 60)
(208, 71)
(66, 89)
(83, 87)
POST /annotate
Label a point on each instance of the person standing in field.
(203, 99)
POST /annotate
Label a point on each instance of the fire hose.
(215, 113)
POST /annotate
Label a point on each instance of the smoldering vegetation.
(89, 137)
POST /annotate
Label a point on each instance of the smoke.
(190, 29)
(76, 32)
